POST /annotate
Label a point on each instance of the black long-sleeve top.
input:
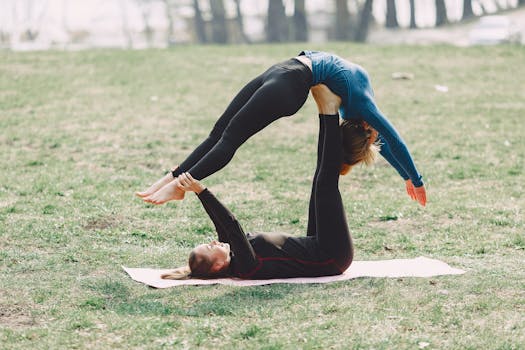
(267, 255)
(327, 250)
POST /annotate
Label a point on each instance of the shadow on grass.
(243, 301)
(116, 296)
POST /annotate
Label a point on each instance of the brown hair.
(359, 142)
(198, 266)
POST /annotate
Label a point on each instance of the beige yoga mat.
(417, 267)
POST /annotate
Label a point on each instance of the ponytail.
(181, 273)
(198, 266)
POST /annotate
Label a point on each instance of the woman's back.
(346, 79)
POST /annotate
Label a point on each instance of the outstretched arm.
(396, 149)
(228, 228)
(189, 184)
(387, 154)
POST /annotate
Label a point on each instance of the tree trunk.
(441, 13)
(29, 33)
(467, 10)
(240, 23)
(342, 20)
(145, 10)
(277, 25)
(125, 26)
(34, 24)
(299, 21)
(483, 10)
(391, 14)
(200, 30)
(413, 14)
(169, 17)
(365, 17)
(218, 22)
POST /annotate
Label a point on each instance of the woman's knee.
(217, 131)
(229, 143)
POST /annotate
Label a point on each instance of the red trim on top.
(305, 262)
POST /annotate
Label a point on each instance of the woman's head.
(359, 144)
(209, 259)
(205, 260)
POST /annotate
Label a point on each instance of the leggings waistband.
(304, 72)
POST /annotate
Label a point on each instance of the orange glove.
(416, 193)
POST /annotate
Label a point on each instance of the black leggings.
(328, 248)
(326, 214)
(280, 91)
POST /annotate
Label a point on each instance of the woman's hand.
(421, 195)
(416, 193)
(189, 184)
(410, 189)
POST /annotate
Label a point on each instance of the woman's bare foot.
(168, 192)
(156, 186)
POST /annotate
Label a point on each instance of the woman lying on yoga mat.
(326, 250)
(281, 91)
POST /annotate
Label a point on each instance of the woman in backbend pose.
(281, 91)
(326, 250)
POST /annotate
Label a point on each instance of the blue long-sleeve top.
(351, 83)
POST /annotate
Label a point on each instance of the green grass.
(81, 131)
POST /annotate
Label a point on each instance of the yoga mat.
(416, 267)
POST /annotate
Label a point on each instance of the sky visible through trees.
(126, 22)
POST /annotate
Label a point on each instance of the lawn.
(82, 131)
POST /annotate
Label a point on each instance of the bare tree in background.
(145, 11)
(171, 21)
(200, 29)
(34, 23)
(240, 22)
(30, 34)
(413, 14)
(365, 17)
(299, 21)
(277, 23)
(391, 14)
(219, 33)
(441, 13)
(342, 20)
(125, 25)
(467, 10)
